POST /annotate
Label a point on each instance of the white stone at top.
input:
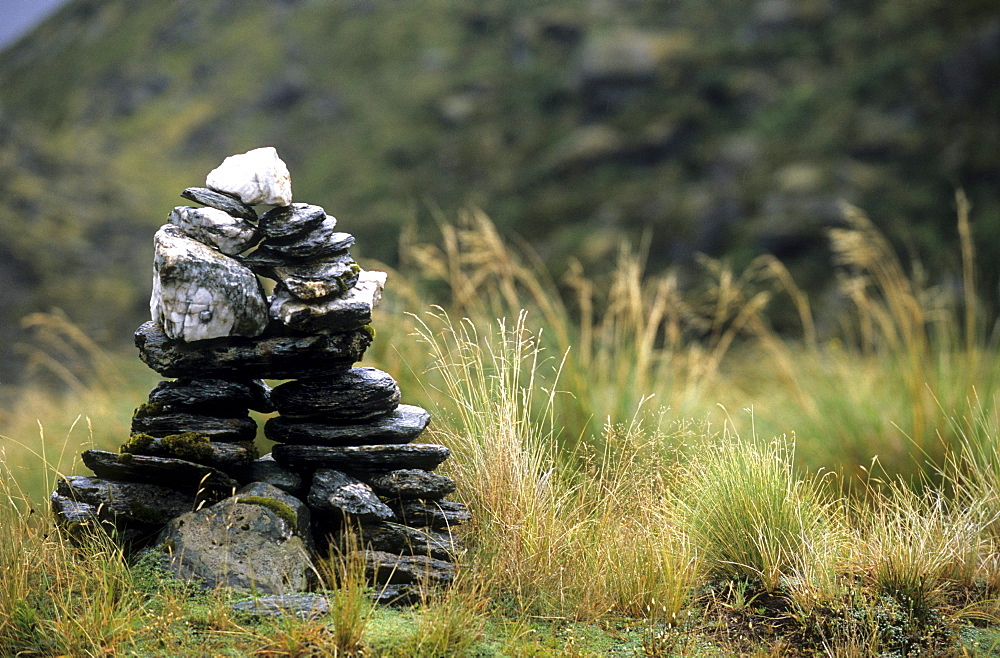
(256, 177)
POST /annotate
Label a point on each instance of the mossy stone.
(188, 445)
(283, 511)
(137, 443)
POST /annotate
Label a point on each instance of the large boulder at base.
(199, 293)
(241, 546)
(261, 493)
(272, 357)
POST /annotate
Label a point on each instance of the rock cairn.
(189, 482)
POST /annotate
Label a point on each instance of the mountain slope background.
(730, 128)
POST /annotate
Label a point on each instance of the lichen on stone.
(283, 511)
(370, 330)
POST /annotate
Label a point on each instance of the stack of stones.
(345, 463)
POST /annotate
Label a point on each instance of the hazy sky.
(19, 16)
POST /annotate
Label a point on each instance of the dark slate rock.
(334, 491)
(217, 429)
(134, 511)
(398, 595)
(404, 540)
(220, 201)
(267, 470)
(274, 357)
(357, 394)
(193, 447)
(431, 513)
(290, 223)
(303, 517)
(311, 244)
(351, 310)
(386, 568)
(299, 606)
(332, 277)
(411, 483)
(267, 255)
(237, 545)
(362, 458)
(215, 397)
(403, 425)
(178, 474)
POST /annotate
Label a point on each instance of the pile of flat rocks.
(346, 464)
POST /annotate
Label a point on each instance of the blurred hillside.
(731, 128)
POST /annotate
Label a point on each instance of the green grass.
(618, 508)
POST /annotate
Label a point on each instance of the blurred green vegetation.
(730, 128)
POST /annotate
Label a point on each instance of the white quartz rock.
(198, 293)
(216, 228)
(257, 176)
(350, 311)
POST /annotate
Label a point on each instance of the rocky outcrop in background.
(571, 124)
(189, 483)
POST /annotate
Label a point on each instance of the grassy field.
(652, 470)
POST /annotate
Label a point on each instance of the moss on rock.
(137, 444)
(191, 446)
(283, 511)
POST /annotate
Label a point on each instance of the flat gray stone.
(255, 177)
(362, 458)
(195, 448)
(288, 223)
(267, 470)
(438, 514)
(312, 244)
(298, 606)
(218, 429)
(266, 256)
(411, 483)
(386, 568)
(184, 476)
(275, 357)
(398, 595)
(215, 397)
(403, 425)
(332, 277)
(237, 545)
(134, 511)
(224, 202)
(199, 293)
(215, 228)
(335, 491)
(357, 394)
(351, 310)
(399, 539)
